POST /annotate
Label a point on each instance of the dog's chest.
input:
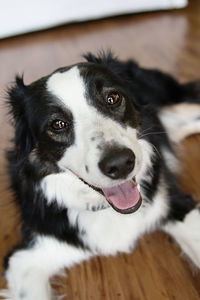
(108, 232)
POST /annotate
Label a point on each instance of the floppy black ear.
(17, 101)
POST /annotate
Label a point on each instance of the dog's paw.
(97, 206)
(5, 295)
(187, 234)
(69, 191)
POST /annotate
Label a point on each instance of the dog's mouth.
(124, 198)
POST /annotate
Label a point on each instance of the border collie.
(93, 167)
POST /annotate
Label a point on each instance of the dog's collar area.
(124, 198)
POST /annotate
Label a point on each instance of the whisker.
(152, 133)
(147, 129)
(156, 150)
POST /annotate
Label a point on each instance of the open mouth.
(124, 198)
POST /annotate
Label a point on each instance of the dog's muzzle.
(118, 163)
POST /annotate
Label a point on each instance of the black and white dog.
(92, 167)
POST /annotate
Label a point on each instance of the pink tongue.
(123, 196)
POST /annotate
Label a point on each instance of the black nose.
(117, 163)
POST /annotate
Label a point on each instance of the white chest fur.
(108, 232)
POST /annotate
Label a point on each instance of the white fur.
(187, 234)
(180, 120)
(29, 270)
(70, 192)
(112, 232)
(147, 153)
(104, 231)
(171, 160)
(92, 130)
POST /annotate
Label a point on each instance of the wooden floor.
(166, 40)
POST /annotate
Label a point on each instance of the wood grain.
(167, 40)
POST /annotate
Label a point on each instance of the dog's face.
(83, 120)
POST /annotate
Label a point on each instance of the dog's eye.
(58, 124)
(113, 98)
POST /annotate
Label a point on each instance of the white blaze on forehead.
(92, 130)
(69, 87)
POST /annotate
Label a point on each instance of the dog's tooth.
(138, 186)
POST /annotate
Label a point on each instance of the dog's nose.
(117, 163)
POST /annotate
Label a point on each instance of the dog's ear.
(105, 58)
(108, 59)
(17, 98)
(17, 102)
(125, 70)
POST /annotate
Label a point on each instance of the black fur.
(147, 91)
(148, 86)
(28, 163)
(100, 81)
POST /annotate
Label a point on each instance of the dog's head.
(83, 119)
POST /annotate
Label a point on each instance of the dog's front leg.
(29, 269)
(186, 232)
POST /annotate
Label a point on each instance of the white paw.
(5, 295)
(97, 206)
(69, 191)
(192, 222)
(187, 234)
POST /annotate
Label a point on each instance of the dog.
(93, 167)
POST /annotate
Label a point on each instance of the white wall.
(20, 16)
